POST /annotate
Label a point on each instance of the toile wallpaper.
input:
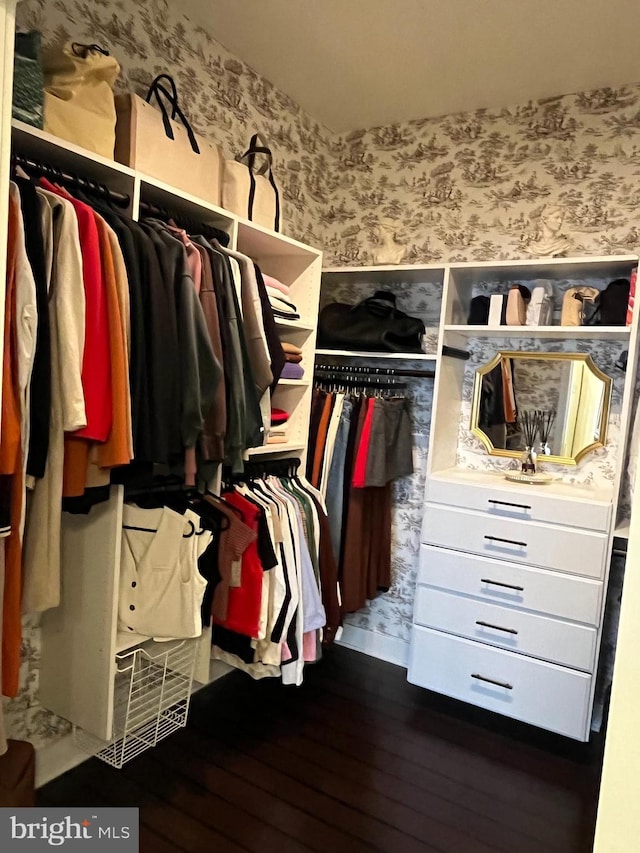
(223, 98)
(470, 186)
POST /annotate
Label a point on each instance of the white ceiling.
(360, 63)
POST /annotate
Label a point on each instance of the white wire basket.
(152, 694)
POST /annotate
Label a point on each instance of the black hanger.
(191, 533)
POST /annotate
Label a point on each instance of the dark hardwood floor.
(356, 759)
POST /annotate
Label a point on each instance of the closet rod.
(372, 371)
(75, 181)
(192, 225)
(454, 352)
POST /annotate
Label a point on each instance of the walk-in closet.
(319, 425)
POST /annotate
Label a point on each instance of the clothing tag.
(236, 573)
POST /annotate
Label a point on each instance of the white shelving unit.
(512, 579)
(85, 659)
(551, 575)
(402, 356)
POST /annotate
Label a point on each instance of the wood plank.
(351, 820)
(264, 805)
(203, 805)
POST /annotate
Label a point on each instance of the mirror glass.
(567, 384)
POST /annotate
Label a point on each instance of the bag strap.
(172, 98)
(80, 50)
(157, 89)
(250, 157)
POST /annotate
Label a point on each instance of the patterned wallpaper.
(223, 98)
(465, 187)
(472, 186)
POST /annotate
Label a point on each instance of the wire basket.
(151, 699)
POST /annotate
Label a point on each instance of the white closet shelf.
(262, 243)
(163, 195)
(294, 325)
(555, 269)
(388, 274)
(295, 383)
(406, 356)
(129, 640)
(614, 333)
(41, 145)
(269, 449)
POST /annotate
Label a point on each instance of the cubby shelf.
(405, 356)
(615, 333)
(270, 449)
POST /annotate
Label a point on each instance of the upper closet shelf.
(270, 449)
(260, 242)
(614, 333)
(294, 325)
(406, 356)
(39, 145)
(387, 275)
(556, 269)
(165, 196)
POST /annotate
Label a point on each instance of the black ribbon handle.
(249, 159)
(157, 90)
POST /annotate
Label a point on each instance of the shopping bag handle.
(157, 89)
(248, 158)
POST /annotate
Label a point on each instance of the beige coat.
(41, 556)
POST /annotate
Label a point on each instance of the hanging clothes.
(358, 446)
(274, 607)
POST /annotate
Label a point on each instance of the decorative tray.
(537, 479)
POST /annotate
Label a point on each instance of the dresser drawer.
(535, 692)
(539, 636)
(565, 549)
(533, 503)
(551, 593)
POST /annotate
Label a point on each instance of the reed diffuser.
(546, 419)
(529, 423)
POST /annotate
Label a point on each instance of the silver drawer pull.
(508, 541)
(508, 503)
(492, 681)
(505, 585)
(496, 627)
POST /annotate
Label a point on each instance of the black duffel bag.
(374, 325)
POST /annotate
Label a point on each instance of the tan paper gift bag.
(161, 143)
(78, 96)
(249, 188)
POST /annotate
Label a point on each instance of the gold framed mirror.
(570, 384)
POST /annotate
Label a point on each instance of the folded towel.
(292, 371)
(277, 439)
(279, 301)
(292, 358)
(270, 281)
(291, 348)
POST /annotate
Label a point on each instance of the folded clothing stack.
(278, 432)
(293, 357)
(280, 299)
(278, 417)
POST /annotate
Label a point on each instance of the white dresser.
(509, 598)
